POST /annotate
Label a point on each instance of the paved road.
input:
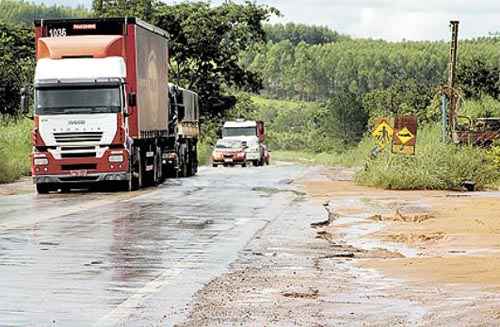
(116, 259)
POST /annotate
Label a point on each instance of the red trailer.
(102, 112)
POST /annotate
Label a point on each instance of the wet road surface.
(116, 259)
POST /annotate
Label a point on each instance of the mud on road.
(281, 245)
(387, 258)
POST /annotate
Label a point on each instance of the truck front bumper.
(90, 178)
(251, 156)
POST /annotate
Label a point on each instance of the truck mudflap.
(90, 178)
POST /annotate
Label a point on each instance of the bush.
(436, 166)
(15, 149)
(486, 106)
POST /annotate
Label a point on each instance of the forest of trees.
(357, 79)
(24, 12)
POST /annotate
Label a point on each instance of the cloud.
(395, 19)
(387, 19)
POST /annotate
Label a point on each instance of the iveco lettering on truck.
(103, 109)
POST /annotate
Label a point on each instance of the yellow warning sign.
(405, 136)
(383, 133)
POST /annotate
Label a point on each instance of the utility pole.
(452, 75)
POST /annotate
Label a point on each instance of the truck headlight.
(116, 158)
(41, 161)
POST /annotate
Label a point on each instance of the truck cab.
(80, 126)
(252, 133)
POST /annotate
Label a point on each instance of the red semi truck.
(103, 109)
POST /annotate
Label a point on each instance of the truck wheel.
(215, 165)
(255, 163)
(136, 171)
(158, 168)
(126, 186)
(43, 188)
(194, 164)
(243, 165)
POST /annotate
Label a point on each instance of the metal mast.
(452, 69)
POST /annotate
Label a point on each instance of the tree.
(24, 12)
(17, 64)
(205, 47)
(112, 8)
(403, 97)
(477, 78)
(296, 33)
(345, 118)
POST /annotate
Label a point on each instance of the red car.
(229, 153)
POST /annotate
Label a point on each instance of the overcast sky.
(387, 19)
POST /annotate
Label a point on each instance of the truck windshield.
(239, 131)
(78, 100)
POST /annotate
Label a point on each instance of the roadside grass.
(436, 166)
(204, 151)
(15, 149)
(352, 157)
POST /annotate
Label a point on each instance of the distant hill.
(24, 12)
(67, 3)
(297, 33)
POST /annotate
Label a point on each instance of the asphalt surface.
(131, 259)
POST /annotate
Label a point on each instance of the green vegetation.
(16, 64)
(296, 134)
(297, 33)
(485, 106)
(15, 147)
(24, 12)
(435, 166)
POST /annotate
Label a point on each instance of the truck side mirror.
(132, 99)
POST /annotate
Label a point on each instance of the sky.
(392, 20)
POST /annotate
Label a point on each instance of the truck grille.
(78, 137)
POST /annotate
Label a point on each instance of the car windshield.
(239, 131)
(78, 100)
(228, 145)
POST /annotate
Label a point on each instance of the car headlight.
(41, 161)
(116, 158)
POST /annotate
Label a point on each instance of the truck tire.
(183, 161)
(43, 188)
(136, 170)
(158, 171)
(215, 165)
(192, 163)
